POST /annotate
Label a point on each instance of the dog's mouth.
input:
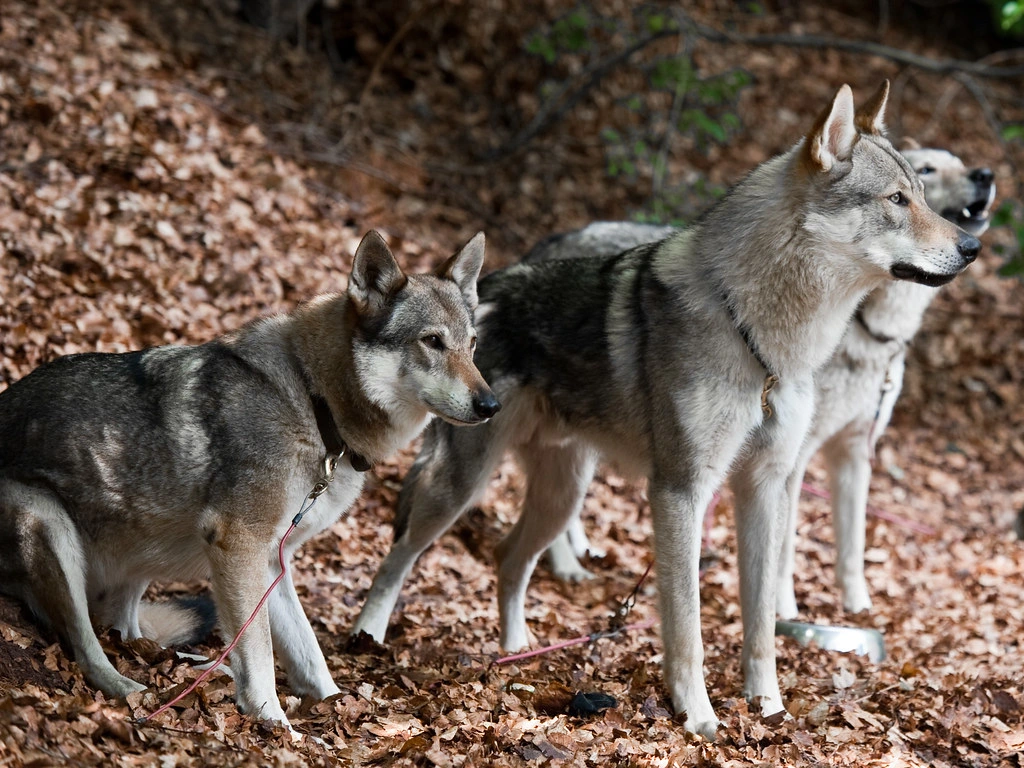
(459, 422)
(904, 271)
(974, 217)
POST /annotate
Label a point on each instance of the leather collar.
(879, 337)
(744, 332)
(333, 441)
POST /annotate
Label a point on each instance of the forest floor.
(168, 172)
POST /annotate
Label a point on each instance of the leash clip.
(330, 464)
(769, 384)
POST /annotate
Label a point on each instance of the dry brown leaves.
(152, 190)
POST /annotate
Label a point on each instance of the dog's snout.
(485, 404)
(982, 176)
(968, 247)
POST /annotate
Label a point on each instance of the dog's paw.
(699, 716)
(517, 638)
(706, 728)
(770, 706)
(573, 575)
(267, 710)
(127, 686)
(857, 600)
(114, 684)
(785, 605)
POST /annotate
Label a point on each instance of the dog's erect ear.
(907, 144)
(376, 276)
(464, 268)
(834, 133)
(871, 116)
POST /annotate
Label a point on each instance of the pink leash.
(329, 465)
(881, 514)
(220, 659)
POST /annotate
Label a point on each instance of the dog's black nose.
(485, 405)
(981, 176)
(968, 247)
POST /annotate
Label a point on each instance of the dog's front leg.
(763, 487)
(692, 454)
(239, 577)
(677, 512)
(296, 645)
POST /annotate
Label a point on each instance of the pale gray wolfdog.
(189, 462)
(855, 390)
(682, 360)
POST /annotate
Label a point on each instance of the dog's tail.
(180, 621)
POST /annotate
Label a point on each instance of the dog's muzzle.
(967, 247)
(485, 405)
(974, 217)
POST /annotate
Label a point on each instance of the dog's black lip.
(914, 274)
(458, 422)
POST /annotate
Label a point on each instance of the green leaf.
(1014, 131)
(611, 135)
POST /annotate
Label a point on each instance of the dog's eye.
(433, 341)
(472, 344)
(925, 171)
(899, 198)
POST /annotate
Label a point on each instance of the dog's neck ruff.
(329, 433)
(879, 337)
(771, 378)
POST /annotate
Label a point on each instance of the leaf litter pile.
(164, 178)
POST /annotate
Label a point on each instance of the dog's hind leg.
(296, 646)
(119, 607)
(847, 458)
(55, 574)
(564, 553)
(448, 475)
(785, 594)
(557, 480)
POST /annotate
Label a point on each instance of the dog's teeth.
(966, 213)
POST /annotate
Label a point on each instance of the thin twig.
(389, 49)
(940, 66)
(684, 49)
(555, 107)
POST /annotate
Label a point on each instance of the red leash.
(220, 659)
(330, 463)
(616, 624)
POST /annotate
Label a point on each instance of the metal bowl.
(863, 642)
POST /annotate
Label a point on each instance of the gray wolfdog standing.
(855, 390)
(186, 462)
(682, 360)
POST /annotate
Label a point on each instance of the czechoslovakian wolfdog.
(187, 462)
(682, 360)
(856, 389)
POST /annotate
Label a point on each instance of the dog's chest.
(320, 514)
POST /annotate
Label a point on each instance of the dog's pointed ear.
(376, 276)
(907, 143)
(871, 116)
(834, 133)
(464, 268)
